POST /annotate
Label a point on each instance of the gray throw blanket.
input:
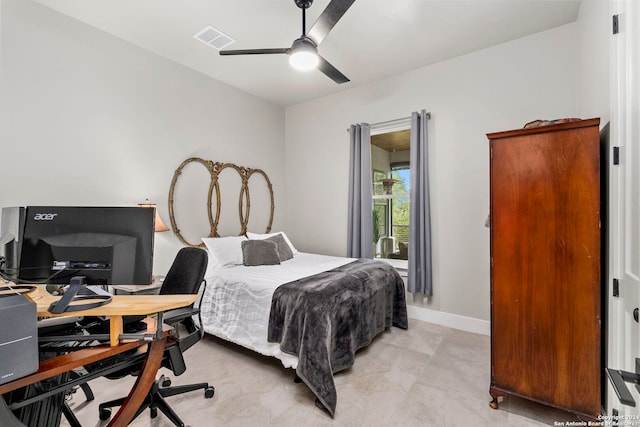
(325, 318)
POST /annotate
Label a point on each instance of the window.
(391, 185)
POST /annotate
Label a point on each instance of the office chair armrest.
(180, 315)
(174, 359)
(172, 317)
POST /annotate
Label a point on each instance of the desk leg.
(116, 328)
(145, 380)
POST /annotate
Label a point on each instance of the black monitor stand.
(64, 304)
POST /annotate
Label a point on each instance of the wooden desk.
(120, 306)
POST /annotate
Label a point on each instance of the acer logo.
(44, 216)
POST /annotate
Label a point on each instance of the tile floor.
(428, 375)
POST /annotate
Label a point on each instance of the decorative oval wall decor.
(244, 198)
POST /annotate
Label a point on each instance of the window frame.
(390, 127)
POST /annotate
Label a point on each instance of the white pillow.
(223, 252)
(251, 235)
(212, 265)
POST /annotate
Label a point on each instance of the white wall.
(88, 119)
(495, 89)
(592, 71)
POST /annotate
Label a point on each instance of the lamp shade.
(159, 225)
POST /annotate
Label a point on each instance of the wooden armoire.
(546, 265)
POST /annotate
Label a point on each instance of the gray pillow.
(259, 252)
(284, 250)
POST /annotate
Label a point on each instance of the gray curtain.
(419, 279)
(360, 226)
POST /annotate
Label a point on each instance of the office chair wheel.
(105, 414)
(154, 412)
(166, 382)
(209, 392)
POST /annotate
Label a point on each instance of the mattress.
(236, 303)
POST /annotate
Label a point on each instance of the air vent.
(213, 37)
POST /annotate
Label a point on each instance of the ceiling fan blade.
(327, 19)
(255, 51)
(331, 71)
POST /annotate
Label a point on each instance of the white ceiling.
(374, 39)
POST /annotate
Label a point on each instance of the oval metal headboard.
(244, 200)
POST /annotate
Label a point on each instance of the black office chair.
(185, 276)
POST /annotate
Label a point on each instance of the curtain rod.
(390, 123)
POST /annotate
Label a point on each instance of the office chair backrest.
(186, 273)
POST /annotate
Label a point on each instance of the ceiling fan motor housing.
(304, 43)
(303, 4)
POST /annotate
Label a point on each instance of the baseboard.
(455, 321)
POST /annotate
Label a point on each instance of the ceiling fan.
(303, 53)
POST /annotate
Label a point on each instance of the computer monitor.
(52, 244)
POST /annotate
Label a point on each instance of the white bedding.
(237, 300)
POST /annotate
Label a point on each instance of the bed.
(312, 312)
(269, 308)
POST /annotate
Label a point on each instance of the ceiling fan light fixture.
(303, 61)
(303, 55)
